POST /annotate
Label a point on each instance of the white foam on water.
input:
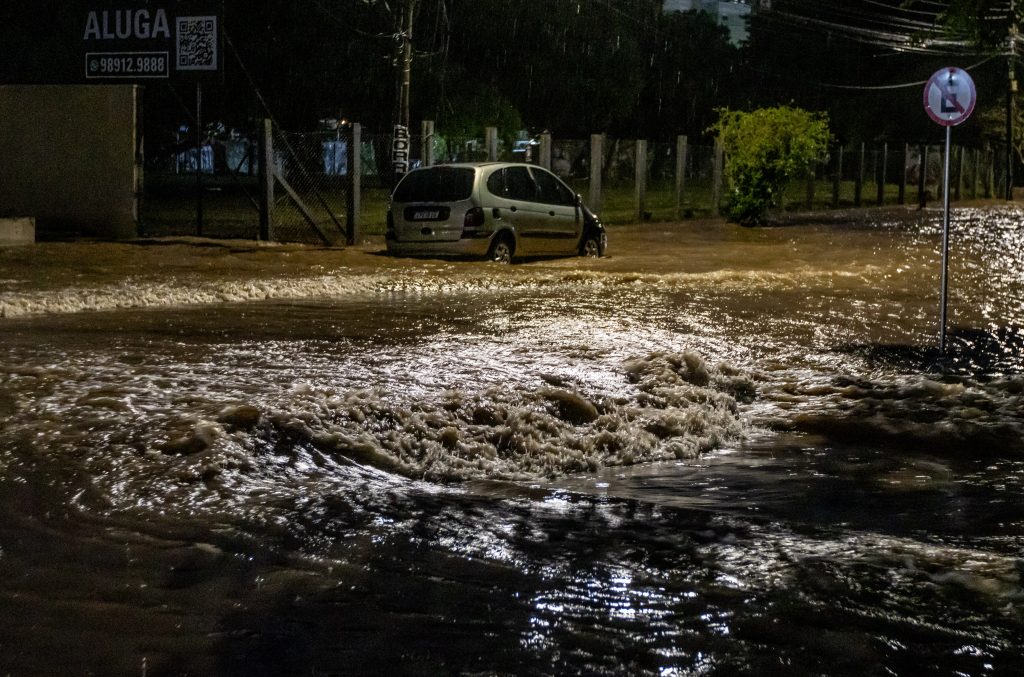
(679, 407)
(671, 406)
(139, 293)
(982, 415)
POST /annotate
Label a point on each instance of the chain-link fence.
(210, 191)
(216, 192)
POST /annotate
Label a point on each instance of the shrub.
(765, 149)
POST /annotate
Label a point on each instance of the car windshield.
(436, 184)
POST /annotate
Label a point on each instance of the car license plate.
(427, 215)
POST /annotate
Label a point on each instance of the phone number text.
(126, 65)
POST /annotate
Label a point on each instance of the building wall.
(681, 5)
(68, 158)
(731, 14)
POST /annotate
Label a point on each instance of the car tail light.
(474, 219)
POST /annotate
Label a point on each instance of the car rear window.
(436, 184)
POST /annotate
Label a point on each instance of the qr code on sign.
(197, 43)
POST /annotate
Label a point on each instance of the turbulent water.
(717, 451)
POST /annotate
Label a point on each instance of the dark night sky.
(314, 58)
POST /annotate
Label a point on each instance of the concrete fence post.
(716, 185)
(491, 134)
(881, 174)
(974, 174)
(959, 173)
(922, 174)
(902, 196)
(427, 143)
(837, 178)
(545, 151)
(811, 179)
(989, 172)
(681, 150)
(640, 178)
(355, 183)
(596, 167)
(858, 185)
(266, 180)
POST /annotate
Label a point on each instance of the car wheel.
(592, 245)
(502, 249)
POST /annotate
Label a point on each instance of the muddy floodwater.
(716, 451)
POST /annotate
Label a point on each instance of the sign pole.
(945, 245)
(949, 99)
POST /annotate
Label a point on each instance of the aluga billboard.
(105, 41)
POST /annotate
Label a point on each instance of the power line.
(904, 85)
(908, 41)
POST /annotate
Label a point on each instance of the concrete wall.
(68, 158)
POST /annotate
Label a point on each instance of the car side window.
(552, 191)
(519, 184)
(496, 184)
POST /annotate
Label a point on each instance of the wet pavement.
(715, 451)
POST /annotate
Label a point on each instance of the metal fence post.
(266, 180)
(199, 159)
(355, 183)
(681, 149)
(491, 134)
(596, 167)
(640, 177)
(427, 143)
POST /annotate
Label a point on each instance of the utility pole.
(410, 8)
(401, 143)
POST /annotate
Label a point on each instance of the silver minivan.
(493, 209)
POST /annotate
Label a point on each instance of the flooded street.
(715, 451)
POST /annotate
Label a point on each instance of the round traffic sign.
(949, 96)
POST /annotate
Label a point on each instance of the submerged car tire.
(593, 245)
(502, 249)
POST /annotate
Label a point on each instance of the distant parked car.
(497, 210)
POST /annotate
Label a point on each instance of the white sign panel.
(949, 96)
(400, 150)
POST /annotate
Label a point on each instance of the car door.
(561, 224)
(515, 198)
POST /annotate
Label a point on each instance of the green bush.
(766, 149)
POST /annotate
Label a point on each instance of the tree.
(992, 119)
(481, 107)
(994, 26)
(766, 149)
(694, 69)
(986, 23)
